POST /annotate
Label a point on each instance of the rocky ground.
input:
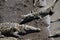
(11, 11)
(55, 27)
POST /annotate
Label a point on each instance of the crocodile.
(39, 13)
(15, 28)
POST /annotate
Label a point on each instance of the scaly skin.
(15, 28)
(39, 13)
(45, 9)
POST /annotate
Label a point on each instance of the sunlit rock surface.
(11, 11)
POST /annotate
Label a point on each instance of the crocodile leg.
(16, 34)
(1, 36)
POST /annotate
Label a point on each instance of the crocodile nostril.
(25, 5)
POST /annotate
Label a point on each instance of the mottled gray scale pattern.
(9, 12)
(4, 27)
